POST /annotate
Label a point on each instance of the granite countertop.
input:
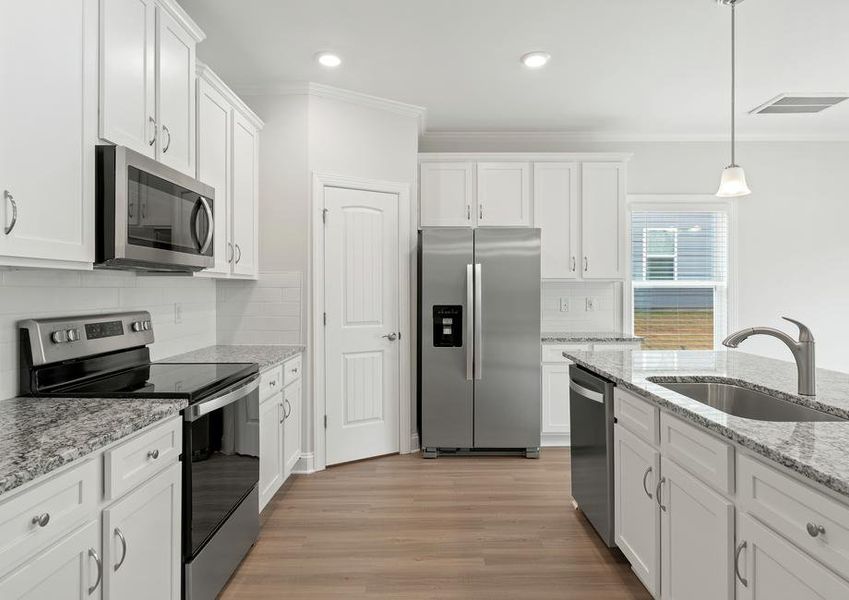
(39, 435)
(578, 337)
(265, 356)
(816, 450)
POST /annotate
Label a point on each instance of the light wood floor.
(402, 527)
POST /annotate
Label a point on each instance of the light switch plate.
(564, 305)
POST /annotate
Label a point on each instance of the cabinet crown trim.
(183, 18)
(209, 76)
(612, 157)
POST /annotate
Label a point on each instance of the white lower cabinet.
(637, 513)
(771, 568)
(141, 536)
(70, 569)
(270, 447)
(292, 427)
(555, 404)
(697, 538)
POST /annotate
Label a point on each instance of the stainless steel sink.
(745, 402)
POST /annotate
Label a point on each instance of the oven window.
(161, 214)
(223, 448)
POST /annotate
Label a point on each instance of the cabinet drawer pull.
(166, 131)
(11, 199)
(815, 530)
(41, 520)
(739, 551)
(645, 476)
(121, 537)
(295, 370)
(154, 454)
(657, 493)
(93, 554)
(272, 383)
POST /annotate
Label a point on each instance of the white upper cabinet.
(447, 194)
(176, 79)
(556, 213)
(128, 74)
(147, 79)
(214, 114)
(245, 196)
(48, 119)
(504, 194)
(603, 220)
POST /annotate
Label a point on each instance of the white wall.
(40, 293)
(793, 247)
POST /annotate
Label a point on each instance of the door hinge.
(325, 421)
(324, 212)
(324, 318)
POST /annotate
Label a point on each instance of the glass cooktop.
(193, 381)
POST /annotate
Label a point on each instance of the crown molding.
(182, 17)
(309, 88)
(600, 137)
(209, 76)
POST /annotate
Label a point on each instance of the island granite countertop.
(266, 356)
(816, 450)
(39, 435)
(588, 337)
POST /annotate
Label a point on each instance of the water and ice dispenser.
(448, 326)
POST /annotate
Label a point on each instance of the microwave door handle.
(211, 228)
(233, 394)
(195, 231)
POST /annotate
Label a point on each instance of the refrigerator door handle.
(470, 326)
(478, 322)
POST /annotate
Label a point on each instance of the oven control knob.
(59, 337)
(137, 326)
(73, 335)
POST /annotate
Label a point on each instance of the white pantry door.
(362, 360)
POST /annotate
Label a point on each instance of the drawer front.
(790, 507)
(637, 415)
(554, 353)
(140, 458)
(291, 370)
(270, 382)
(705, 456)
(35, 518)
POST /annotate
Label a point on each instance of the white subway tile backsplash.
(266, 311)
(43, 293)
(605, 316)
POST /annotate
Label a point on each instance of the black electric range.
(108, 356)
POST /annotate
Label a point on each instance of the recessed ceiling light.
(328, 59)
(536, 60)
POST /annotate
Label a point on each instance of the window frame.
(647, 255)
(684, 203)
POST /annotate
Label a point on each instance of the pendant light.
(733, 182)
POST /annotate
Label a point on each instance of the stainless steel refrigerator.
(479, 341)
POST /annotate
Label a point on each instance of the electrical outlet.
(178, 313)
(592, 304)
(564, 305)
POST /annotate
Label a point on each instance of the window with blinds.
(679, 274)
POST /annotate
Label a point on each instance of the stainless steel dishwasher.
(591, 414)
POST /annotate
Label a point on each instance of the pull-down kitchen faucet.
(803, 351)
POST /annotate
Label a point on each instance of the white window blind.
(679, 275)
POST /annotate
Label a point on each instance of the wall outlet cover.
(592, 304)
(564, 305)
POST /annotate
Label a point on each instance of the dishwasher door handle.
(586, 393)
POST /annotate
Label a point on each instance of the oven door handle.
(230, 395)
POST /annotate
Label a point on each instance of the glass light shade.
(733, 183)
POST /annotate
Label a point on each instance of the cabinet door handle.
(574, 265)
(121, 537)
(167, 132)
(230, 252)
(239, 255)
(287, 413)
(154, 454)
(739, 551)
(657, 493)
(8, 197)
(468, 212)
(586, 264)
(480, 212)
(93, 554)
(41, 520)
(646, 476)
(152, 140)
(815, 530)
(283, 408)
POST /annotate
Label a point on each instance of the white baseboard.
(414, 442)
(556, 440)
(305, 464)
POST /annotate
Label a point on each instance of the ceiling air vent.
(796, 104)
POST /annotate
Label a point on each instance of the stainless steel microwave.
(150, 217)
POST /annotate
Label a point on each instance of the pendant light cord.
(733, 79)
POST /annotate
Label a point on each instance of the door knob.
(391, 336)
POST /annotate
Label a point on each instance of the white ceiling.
(653, 68)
